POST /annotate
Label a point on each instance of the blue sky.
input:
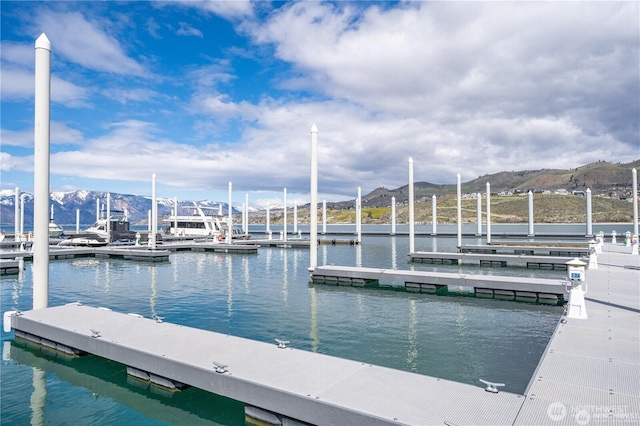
(203, 93)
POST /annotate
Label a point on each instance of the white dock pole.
(531, 231)
(434, 215)
(313, 236)
(411, 207)
(16, 218)
(107, 225)
(459, 196)
(324, 217)
(41, 165)
(149, 221)
(77, 220)
(393, 215)
(22, 215)
(230, 213)
(284, 219)
(359, 216)
(295, 218)
(97, 209)
(51, 213)
(634, 184)
(175, 215)
(154, 212)
(267, 220)
(479, 210)
(589, 224)
(246, 213)
(488, 213)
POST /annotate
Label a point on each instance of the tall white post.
(149, 221)
(154, 212)
(230, 217)
(479, 211)
(313, 236)
(393, 215)
(246, 214)
(175, 215)
(589, 224)
(459, 195)
(434, 214)
(411, 212)
(51, 214)
(324, 217)
(634, 185)
(295, 218)
(77, 220)
(41, 167)
(284, 218)
(268, 220)
(531, 231)
(107, 225)
(22, 196)
(488, 213)
(16, 218)
(359, 216)
(97, 209)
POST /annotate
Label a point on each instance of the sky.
(203, 93)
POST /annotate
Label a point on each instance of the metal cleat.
(282, 344)
(220, 368)
(95, 333)
(491, 387)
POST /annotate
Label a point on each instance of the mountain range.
(603, 178)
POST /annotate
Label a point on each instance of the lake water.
(266, 296)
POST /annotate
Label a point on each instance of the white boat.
(119, 227)
(198, 224)
(55, 230)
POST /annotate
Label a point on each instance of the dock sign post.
(576, 306)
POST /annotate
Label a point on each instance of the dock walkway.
(526, 260)
(590, 371)
(588, 375)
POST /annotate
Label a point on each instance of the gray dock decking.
(589, 373)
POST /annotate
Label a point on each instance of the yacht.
(197, 224)
(117, 225)
(55, 230)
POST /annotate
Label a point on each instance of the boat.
(55, 230)
(118, 229)
(198, 224)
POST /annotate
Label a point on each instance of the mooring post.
(267, 220)
(284, 217)
(411, 207)
(77, 220)
(634, 185)
(41, 168)
(324, 217)
(230, 216)
(589, 224)
(530, 198)
(459, 215)
(175, 214)
(359, 216)
(107, 225)
(393, 215)
(16, 217)
(479, 214)
(246, 214)
(313, 219)
(488, 213)
(434, 215)
(154, 212)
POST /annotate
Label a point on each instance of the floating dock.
(486, 286)
(588, 374)
(529, 250)
(277, 384)
(528, 261)
(137, 253)
(9, 266)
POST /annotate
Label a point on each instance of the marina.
(334, 395)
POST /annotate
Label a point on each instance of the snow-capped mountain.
(65, 205)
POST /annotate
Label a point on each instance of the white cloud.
(187, 30)
(86, 42)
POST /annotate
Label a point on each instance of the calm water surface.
(264, 297)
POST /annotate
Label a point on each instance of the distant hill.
(605, 179)
(611, 180)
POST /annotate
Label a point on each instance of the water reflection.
(412, 351)
(38, 397)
